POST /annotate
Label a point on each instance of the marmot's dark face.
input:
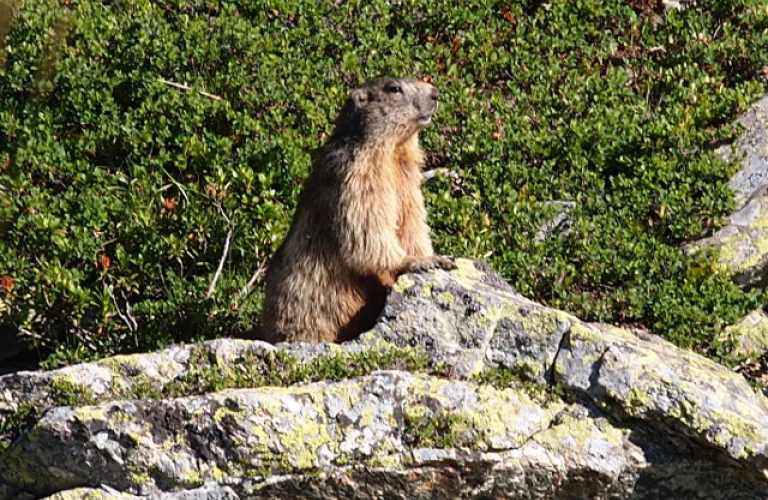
(392, 108)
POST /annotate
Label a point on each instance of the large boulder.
(464, 389)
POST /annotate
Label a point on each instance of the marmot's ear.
(360, 97)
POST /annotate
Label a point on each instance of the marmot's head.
(388, 109)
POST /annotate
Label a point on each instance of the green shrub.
(120, 189)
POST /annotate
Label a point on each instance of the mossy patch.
(66, 392)
(425, 430)
(505, 378)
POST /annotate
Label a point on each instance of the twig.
(246, 290)
(184, 87)
(127, 317)
(181, 267)
(29, 333)
(176, 183)
(131, 318)
(224, 253)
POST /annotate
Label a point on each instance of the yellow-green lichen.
(176, 442)
(403, 283)
(468, 275)
(303, 441)
(685, 411)
(90, 494)
(91, 414)
(392, 461)
(258, 441)
(584, 333)
(300, 443)
(728, 250)
(495, 416)
(572, 433)
(636, 400)
(537, 323)
(750, 334)
(733, 259)
(188, 478)
(368, 414)
(492, 419)
(217, 473)
(734, 425)
(762, 247)
(222, 412)
(139, 477)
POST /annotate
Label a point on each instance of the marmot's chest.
(406, 193)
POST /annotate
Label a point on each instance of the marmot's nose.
(434, 94)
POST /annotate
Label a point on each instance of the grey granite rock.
(743, 241)
(751, 149)
(590, 411)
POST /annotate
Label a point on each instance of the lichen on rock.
(463, 389)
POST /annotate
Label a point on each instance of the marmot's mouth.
(425, 119)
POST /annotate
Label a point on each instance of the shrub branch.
(257, 274)
(224, 253)
(126, 315)
(184, 87)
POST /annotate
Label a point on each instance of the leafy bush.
(138, 139)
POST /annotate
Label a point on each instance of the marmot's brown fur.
(360, 221)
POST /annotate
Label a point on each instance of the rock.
(511, 400)
(751, 149)
(749, 334)
(743, 241)
(559, 223)
(151, 446)
(211, 491)
(748, 339)
(470, 326)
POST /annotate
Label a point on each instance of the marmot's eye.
(394, 89)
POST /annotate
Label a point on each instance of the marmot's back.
(360, 221)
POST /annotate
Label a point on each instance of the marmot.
(360, 221)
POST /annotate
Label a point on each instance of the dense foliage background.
(120, 189)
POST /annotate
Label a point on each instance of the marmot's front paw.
(444, 263)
